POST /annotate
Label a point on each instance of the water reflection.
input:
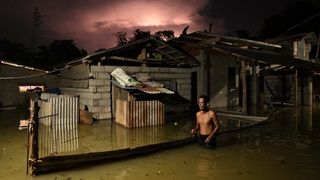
(203, 166)
(286, 148)
(62, 139)
(59, 138)
(70, 138)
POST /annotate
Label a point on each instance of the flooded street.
(287, 147)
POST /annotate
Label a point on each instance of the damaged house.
(236, 71)
(90, 77)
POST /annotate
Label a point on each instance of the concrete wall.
(218, 90)
(97, 94)
(9, 91)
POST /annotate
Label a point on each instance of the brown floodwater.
(287, 147)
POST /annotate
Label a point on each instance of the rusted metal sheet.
(139, 113)
(156, 90)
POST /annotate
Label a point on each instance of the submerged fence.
(53, 127)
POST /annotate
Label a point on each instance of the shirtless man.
(207, 124)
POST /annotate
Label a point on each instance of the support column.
(202, 74)
(295, 87)
(244, 86)
(309, 91)
(254, 85)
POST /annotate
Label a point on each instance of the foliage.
(164, 35)
(140, 34)
(14, 52)
(121, 38)
(57, 52)
(295, 18)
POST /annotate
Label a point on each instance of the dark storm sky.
(93, 23)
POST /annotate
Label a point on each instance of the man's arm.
(216, 126)
(194, 130)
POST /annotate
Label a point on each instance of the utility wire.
(30, 76)
(299, 24)
(44, 73)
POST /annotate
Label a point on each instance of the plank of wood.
(244, 117)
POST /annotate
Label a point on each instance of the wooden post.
(295, 88)
(33, 136)
(244, 86)
(254, 85)
(202, 74)
(309, 90)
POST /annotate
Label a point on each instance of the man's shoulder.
(212, 112)
(199, 112)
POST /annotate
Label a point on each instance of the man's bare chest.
(204, 118)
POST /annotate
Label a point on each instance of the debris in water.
(159, 172)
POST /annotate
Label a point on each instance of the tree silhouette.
(294, 15)
(164, 35)
(140, 34)
(121, 38)
(58, 52)
(14, 52)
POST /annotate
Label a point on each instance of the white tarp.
(124, 79)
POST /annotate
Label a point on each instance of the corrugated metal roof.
(267, 57)
(251, 50)
(205, 38)
(171, 56)
(156, 90)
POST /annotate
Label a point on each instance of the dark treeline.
(45, 57)
(140, 34)
(299, 17)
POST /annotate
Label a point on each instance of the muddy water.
(286, 148)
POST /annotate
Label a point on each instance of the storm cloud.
(92, 24)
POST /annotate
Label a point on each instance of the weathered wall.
(97, 94)
(220, 94)
(219, 90)
(9, 91)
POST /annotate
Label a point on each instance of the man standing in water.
(207, 124)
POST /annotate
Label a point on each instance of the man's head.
(203, 101)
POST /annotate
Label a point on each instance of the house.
(236, 71)
(299, 46)
(304, 46)
(18, 82)
(89, 77)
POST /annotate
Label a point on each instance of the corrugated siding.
(140, 113)
(76, 76)
(62, 109)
